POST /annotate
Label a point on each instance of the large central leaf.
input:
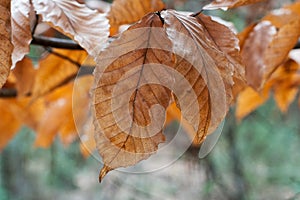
(123, 97)
(165, 53)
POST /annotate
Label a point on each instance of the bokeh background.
(256, 158)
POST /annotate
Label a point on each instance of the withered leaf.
(6, 46)
(140, 70)
(268, 45)
(230, 48)
(21, 32)
(130, 11)
(129, 82)
(89, 28)
(207, 69)
(225, 4)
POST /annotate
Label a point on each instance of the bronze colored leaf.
(249, 100)
(230, 48)
(268, 45)
(253, 52)
(129, 81)
(59, 103)
(208, 70)
(225, 4)
(281, 17)
(130, 11)
(89, 28)
(55, 70)
(9, 123)
(21, 32)
(6, 46)
(25, 75)
(285, 82)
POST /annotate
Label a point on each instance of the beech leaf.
(89, 28)
(164, 53)
(225, 4)
(127, 130)
(208, 70)
(21, 32)
(6, 46)
(130, 11)
(268, 45)
(54, 70)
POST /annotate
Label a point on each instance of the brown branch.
(55, 42)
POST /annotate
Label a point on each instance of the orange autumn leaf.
(60, 103)
(54, 70)
(285, 82)
(268, 45)
(249, 100)
(9, 123)
(127, 130)
(25, 75)
(130, 11)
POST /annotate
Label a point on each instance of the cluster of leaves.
(245, 66)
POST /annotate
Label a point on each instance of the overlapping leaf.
(133, 75)
(130, 11)
(89, 28)
(268, 45)
(284, 82)
(6, 46)
(225, 4)
(21, 32)
(25, 75)
(119, 141)
(55, 69)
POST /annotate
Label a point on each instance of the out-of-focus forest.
(256, 158)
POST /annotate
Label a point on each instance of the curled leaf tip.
(105, 169)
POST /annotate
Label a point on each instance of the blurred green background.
(255, 159)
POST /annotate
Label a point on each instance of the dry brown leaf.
(225, 4)
(54, 70)
(126, 132)
(21, 32)
(89, 28)
(268, 45)
(6, 46)
(230, 48)
(25, 75)
(208, 70)
(130, 11)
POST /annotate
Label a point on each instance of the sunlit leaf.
(55, 70)
(130, 11)
(225, 4)
(88, 27)
(21, 32)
